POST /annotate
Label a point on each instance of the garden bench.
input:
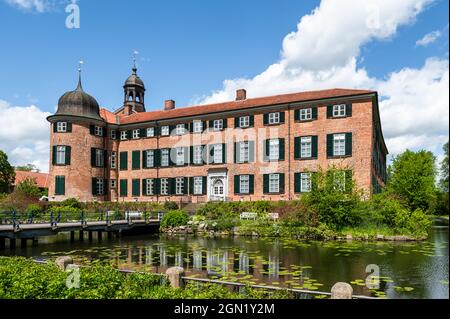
(248, 215)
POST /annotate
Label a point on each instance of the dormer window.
(98, 131)
(136, 134)
(61, 127)
(274, 118)
(180, 129)
(165, 130)
(123, 135)
(339, 110)
(218, 125)
(150, 132)
(198, 126)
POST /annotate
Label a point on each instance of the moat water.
(406, 270)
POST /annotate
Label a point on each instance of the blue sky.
(189, 48)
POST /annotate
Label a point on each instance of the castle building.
(246, 149)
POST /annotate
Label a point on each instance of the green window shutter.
(237, 189)
(225, 123)
(60, 185)
(93, 157)
(266, 183)
(211, 123)
(296, 115)
(123, 188)
(210, 158)
(266, 119)
(191, 155)
(105, 158)
(129, 134)
(54, 155)
(143, 133)
(69, 127)
(135, 187)
(251, 151)
(236, 122)
(55, 127)
(314, 146)
(94, 187)
(157, 155)
(186, 186)
(136, 160)
(266, 150)
(105, 186)
(348, 109)
(282, 182)
(224, 153)
(236, 152)
(297, 183)
(251, 183)
(252, 120)
(281, 149)
(205, 184)
(330, 151)
(157, 186)
(123, 161)
(329, 111)
(144, 187)
(297, 148)
(348, 144)
(186, 155)
(282, 117)
(191, 185)
(68, 155)
(92, 129)
(314, 113)
(144, 159)
(172, 186)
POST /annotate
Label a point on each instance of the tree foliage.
(7, 174)
(29, 188)
(444, 182)
(28, 168)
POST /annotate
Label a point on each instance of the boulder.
(63, 261)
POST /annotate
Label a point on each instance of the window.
(218, 187)
(165, 130)
(180, 129)
(218, 125)
(60, 155)
(123, 135)
(98, 130)
(123, 161)
(274, 118)
(180, 156)
(338, 144)
(274, 183)
(339, 180)
(306, 147)
(244, 121)
(136, 134)
(339, 110)
(274, 149)
(150, 158)
(100, 189)
(218, 154)
(113, 183)
(198, 155)
(198, 126)
(198, 185)
(150, 132)
(165, 157)
(244, 184)
(179, 185)
(99, 158)
(305, 114)
(113, 134)
(164, 186)
(244, 152)
(149, 184)
(61, 127)
(305, 182)
(113, 159)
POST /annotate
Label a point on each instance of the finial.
(79, 87)
(135, 53)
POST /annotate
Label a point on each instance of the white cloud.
(24, 135)
(39, 6)
(428, 38)
(324, 51)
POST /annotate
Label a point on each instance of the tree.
(29, 188)
(412, 179)
(7, 174)
(443, 183)
(28, 168)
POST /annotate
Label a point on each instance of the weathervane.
(135, 53)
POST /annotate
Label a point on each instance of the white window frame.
(244, 184)
(165, 130)
(218, 149)
(339, 144)
(114, 183)
(136, 134)
(180, 156)
(306, 114)
(61, 127)
(61, 155)
(165, 157)
(100, 186)
(274, 118)
(244, 152)
(198, 154)
(180, 129)
(149, 186)
(274, 183)
(123, 135)
(244, 121)
(198, 185)
(150, 132)
(197, 126)
(98, 130)
(274, 149)
(306, 147)
(150, 158)
(113, 134)
(339, 110)
(179, 186)
(164, 186)
(99, 157)
(218, 125)
(113, 160)
(305, 182)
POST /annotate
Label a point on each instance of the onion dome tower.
(134, 92)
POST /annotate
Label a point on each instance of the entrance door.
(217, 186)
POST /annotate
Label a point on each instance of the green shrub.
(71, 202)
(34, 210)
(170, 206)
(66, 213)
(174, 218)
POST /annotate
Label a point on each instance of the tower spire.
(135, 53)
(79, 87)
